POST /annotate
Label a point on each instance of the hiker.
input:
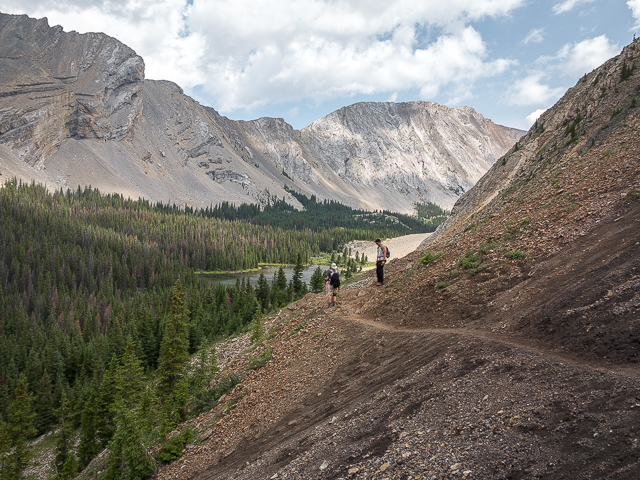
(333, 283)
(380, 261)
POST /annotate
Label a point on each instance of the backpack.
(388, 251)
(334, 280)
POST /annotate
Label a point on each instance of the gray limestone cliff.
(58, 85)
(75, 110)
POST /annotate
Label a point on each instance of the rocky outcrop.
(76, 110)
(58, 85)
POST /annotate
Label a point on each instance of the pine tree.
(44, 405)
(89, 445)
(297, 276)
(129, 457)
(317, 280)
(104, 402)
(65, 464)
(263, 292)
(257, 328)
(173, 360)
(15, 432)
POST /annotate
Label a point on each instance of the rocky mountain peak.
(58, 85)
(76, 110)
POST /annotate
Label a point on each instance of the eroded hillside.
(506, 347)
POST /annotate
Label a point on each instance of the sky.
(303, 59)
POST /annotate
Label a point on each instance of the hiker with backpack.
(383, 254)
(333, 283)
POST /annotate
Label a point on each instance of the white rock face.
(423, 149)
(385, 155)
(76, 110)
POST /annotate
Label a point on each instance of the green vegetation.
(441, 285)
(260, 360)
(431, 215)
(101, 311)
(469, 261)
(430, 257)
(206, 400)
(257, 328)
(486, 248)
(515, 254)
(570, 129)
(319, 217)
(626, 71)
(175, 446)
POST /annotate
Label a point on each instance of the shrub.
(207, 399)
(173, 448)
(260, 360)
(298, 328)
(485, 248)
(430, 257)
(441, 285)
(515, 254)
(469, 261)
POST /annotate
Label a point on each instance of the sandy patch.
(399, 246)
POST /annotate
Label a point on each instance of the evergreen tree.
(129, 457)
(317, 280)
(65, 464)
(296, 279)
(89, 445)
(44, 405)
(173, 360)
(281, 279)
(104, 417)
(262, 293)
(15, 433)
(257, 328)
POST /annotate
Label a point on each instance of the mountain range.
(75, 109)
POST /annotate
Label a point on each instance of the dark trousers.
(380, 271)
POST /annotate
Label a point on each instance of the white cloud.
(533, 116)
(393, 97)
(534, 36)
(250, 53)
(531, 91)
(568, 5)
(634, 5)
(155, 30)
(580, 58)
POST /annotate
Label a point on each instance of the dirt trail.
(527, 344)
(505, 400)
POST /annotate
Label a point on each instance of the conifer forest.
(101, 309)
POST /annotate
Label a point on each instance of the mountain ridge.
(75, 109)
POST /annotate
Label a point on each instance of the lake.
(268, 270)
